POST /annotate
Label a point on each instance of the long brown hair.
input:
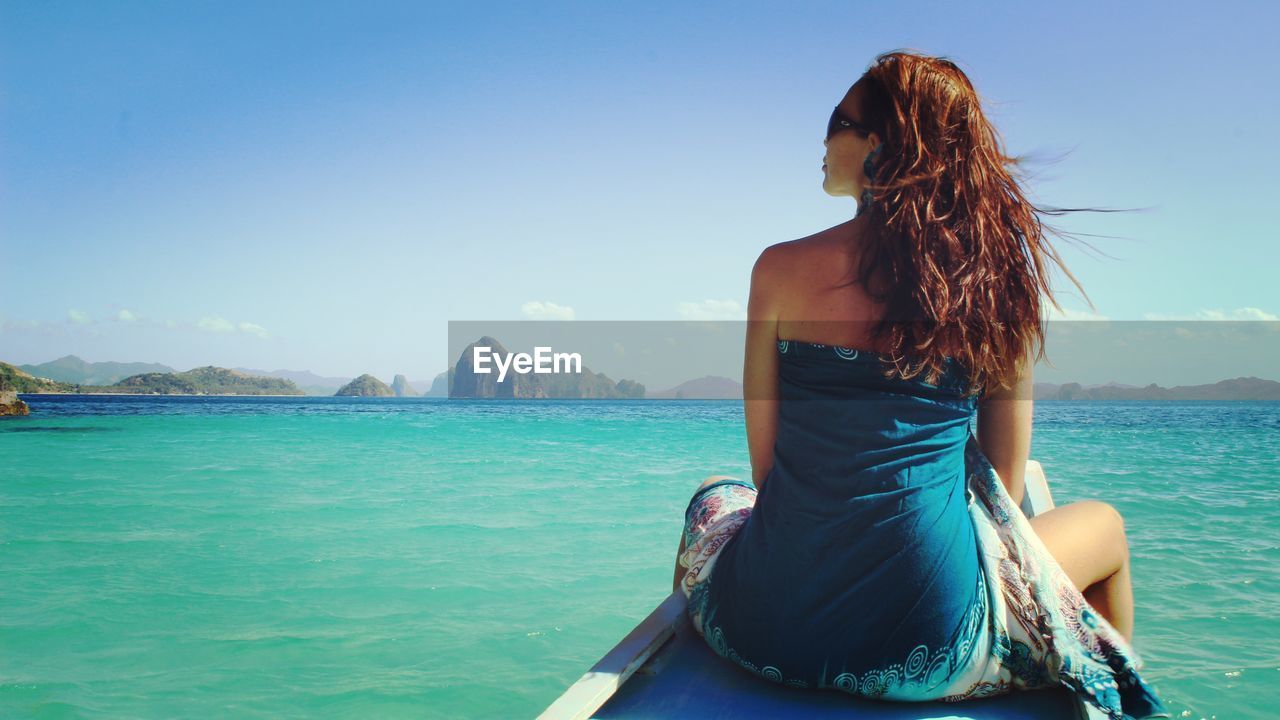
(962, 249)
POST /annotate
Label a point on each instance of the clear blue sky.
(324, 185)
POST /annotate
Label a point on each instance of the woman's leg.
(1087, 539)
(680, 569)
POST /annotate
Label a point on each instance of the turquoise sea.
(339, 557)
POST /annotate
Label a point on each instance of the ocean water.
(345, 557)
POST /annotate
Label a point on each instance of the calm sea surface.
(338, 557)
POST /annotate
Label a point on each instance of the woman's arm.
(1004, 429)
(760, 368)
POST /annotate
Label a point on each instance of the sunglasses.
(840, 122)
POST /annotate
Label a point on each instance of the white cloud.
(79, 317)
(215, 324)
(1069, 314)
(1253, 313)
(536, 310)
(219, 324)
(712, 310)
(1244, 313)
(126, 316)
(20, 325)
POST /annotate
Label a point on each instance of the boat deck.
(685, 679)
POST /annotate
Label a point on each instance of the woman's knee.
(1087, 539)
(1110, 521)
(1113, 552)
(715, 479)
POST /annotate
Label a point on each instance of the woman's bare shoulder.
(789, 255)
(810, 286)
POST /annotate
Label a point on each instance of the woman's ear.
(871, 164)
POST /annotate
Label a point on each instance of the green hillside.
(13, 378)
(71, 369)
(366, 386)
(208, 380)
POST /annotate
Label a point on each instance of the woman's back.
(859, 556)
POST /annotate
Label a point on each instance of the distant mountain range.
(714, 387)
(314, 384)
(70, 374)
(307, 381)
(1242, 388)
(709, 387)
(71, 369)
(208, 380)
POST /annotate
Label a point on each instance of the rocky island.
(401, 387)
(441, 384)
(365, 386)
(207, 380)
(11, 405)
(465, 381)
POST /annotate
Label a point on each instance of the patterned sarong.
(1031, 627)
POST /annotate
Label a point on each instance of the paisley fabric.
(884, 557)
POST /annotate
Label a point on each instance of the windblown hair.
(963, 251)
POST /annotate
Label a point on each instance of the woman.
(879, 548)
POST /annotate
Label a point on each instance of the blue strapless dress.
(883, 556)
